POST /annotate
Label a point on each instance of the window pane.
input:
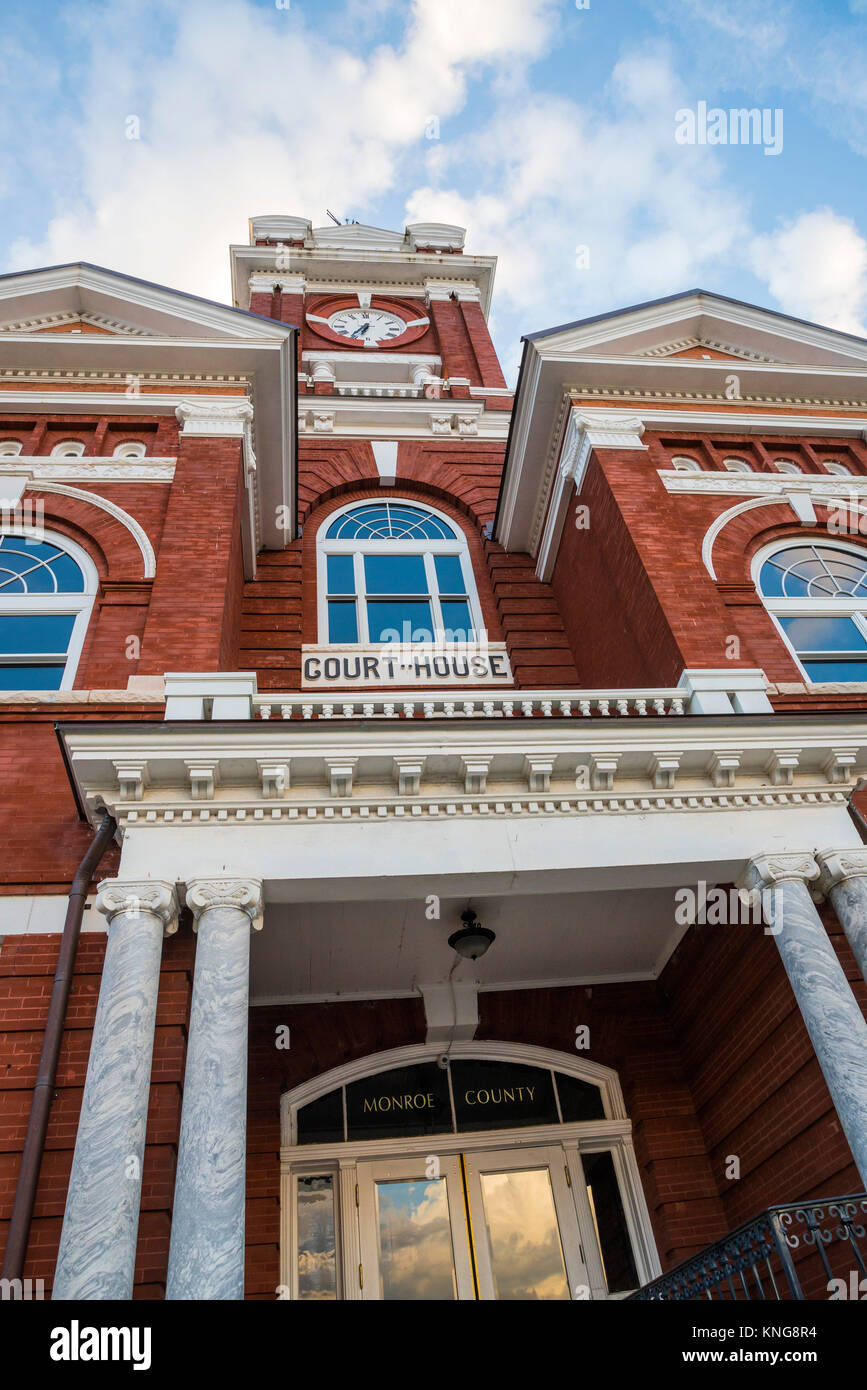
(342, 621)
(70, 579)
(415, 1241)
(615, 1247)
(321, 1122)
(456, 620)
(450, 578)
(399, 622)
(317, 1263)
(836, 670)
(395, 574)
(20, 633)
(30, 677)
(824, 634)
(341, 574)
(523, 1236)
(579, 1100)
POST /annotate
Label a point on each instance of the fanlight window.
(68, 449)
(841, 470)
(737, 465)
(395, 572)
(10, 448)
(685, 465)
(46, 593)
(132, 449)
(786, 466)
(817, 594)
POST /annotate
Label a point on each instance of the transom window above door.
(817, 595)
(395, 572)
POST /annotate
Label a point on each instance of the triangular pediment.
(703, 325)
(88, 301)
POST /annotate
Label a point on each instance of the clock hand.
(359, 332)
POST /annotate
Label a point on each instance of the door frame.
(341, 1159)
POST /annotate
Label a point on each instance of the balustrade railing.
(445, 704)
(793, 1251)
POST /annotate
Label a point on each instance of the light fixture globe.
(473, 939)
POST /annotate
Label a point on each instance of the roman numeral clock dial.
(368, 326)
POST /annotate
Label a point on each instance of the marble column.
(100, 1226)
(828, 1007)
(844, 882)
(206, 1254)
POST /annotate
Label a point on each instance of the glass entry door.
(525, 1227)
(414, 1242)
(495, 1224)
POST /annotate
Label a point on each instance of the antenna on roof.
(333, 218)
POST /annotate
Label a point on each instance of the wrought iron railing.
(796, 1250)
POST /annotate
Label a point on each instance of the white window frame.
(427, 548)
(737, 465)
(33, 605)
(845, 607)
(131, 449)
(10, 448)
(837, 468)
(789, 467)
(341, 1160)
(68, 448)
(682, 463)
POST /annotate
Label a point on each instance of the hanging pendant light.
(473, 939)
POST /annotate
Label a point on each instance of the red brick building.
(483, 709)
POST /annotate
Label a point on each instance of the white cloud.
(655, 216)
(251, 111)
(816, 268)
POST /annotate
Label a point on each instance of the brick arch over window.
(735, 546)
(375, 492)
(750, 530)
(465, 474)
(121, 551)
(109, 655)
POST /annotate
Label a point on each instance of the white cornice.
(605, 769)
(827, 489)
(92, 469)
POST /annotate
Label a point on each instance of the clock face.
(367, 325)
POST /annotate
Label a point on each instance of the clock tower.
(393, 336)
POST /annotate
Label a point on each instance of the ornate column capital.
(215, 418)
(153, 895)
(767, 870)
(245, 894)
(837, 865)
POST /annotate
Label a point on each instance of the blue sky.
(555, 141)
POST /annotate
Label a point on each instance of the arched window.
(786, 466)
(10, 448)
(68, 449)
(395, 572)
(817, 595)
(47, 586)
(683, 464)
(840, 470)
(132, 449)
(737, 465)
